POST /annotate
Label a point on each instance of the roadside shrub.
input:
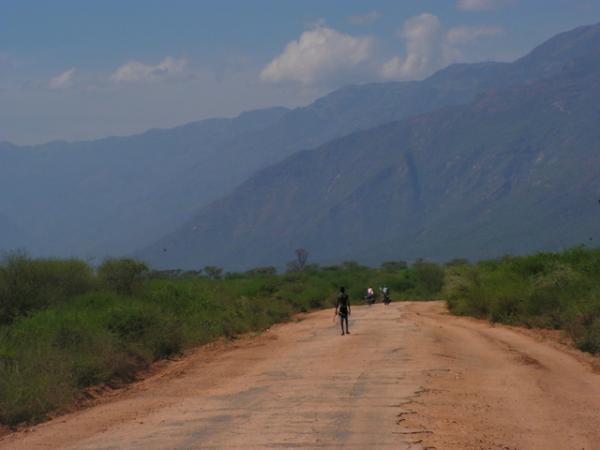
(548, 290)
(123, 276)
(36, 382)
(505, 296)
(583, 323)
(464, 292)
(144, 330)
(588, 339)
(429, 277)
(27, 284)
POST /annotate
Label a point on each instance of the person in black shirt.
(342, 308)
(386, 295)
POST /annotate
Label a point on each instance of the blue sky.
(86, 69)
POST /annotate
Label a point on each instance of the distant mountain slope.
(514, 171)
(114, 195)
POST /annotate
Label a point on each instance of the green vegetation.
(549, 290)
(65, 327)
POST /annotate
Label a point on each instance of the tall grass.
(66, 327)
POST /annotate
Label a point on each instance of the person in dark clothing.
(386, 295)
(342, 308)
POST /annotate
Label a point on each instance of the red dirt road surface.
(410, 376)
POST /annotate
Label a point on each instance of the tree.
(301, 258)
(299, 264)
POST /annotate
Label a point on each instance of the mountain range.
(434, 168)
(515, 170)
(115, 195)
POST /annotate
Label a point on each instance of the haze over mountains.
(512, 169)
(115, 195)
(516, 170)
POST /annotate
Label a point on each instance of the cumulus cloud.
(62, 81)
(429, 47)
(324, 56)
(392, 68)
(365, 19)
(133, 71)
(424, 49)
(481, 5)
(319, 55)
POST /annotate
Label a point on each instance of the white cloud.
(62, 81)
(392, 68)
(319, 55)
(429, 47)
(468, 35)
(137, 71)
(481, 5)
(365, 19)
(424, 49)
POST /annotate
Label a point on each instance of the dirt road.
(409, 376)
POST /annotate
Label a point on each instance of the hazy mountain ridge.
(114, 195)
(514, 171)
(110, 193)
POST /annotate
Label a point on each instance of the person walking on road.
(342, 308)
(386, 295)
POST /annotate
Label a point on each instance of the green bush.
(549, 290)
(583, 323)
(429, 277)
(123, 276)
(34, 384)
(27, 284)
